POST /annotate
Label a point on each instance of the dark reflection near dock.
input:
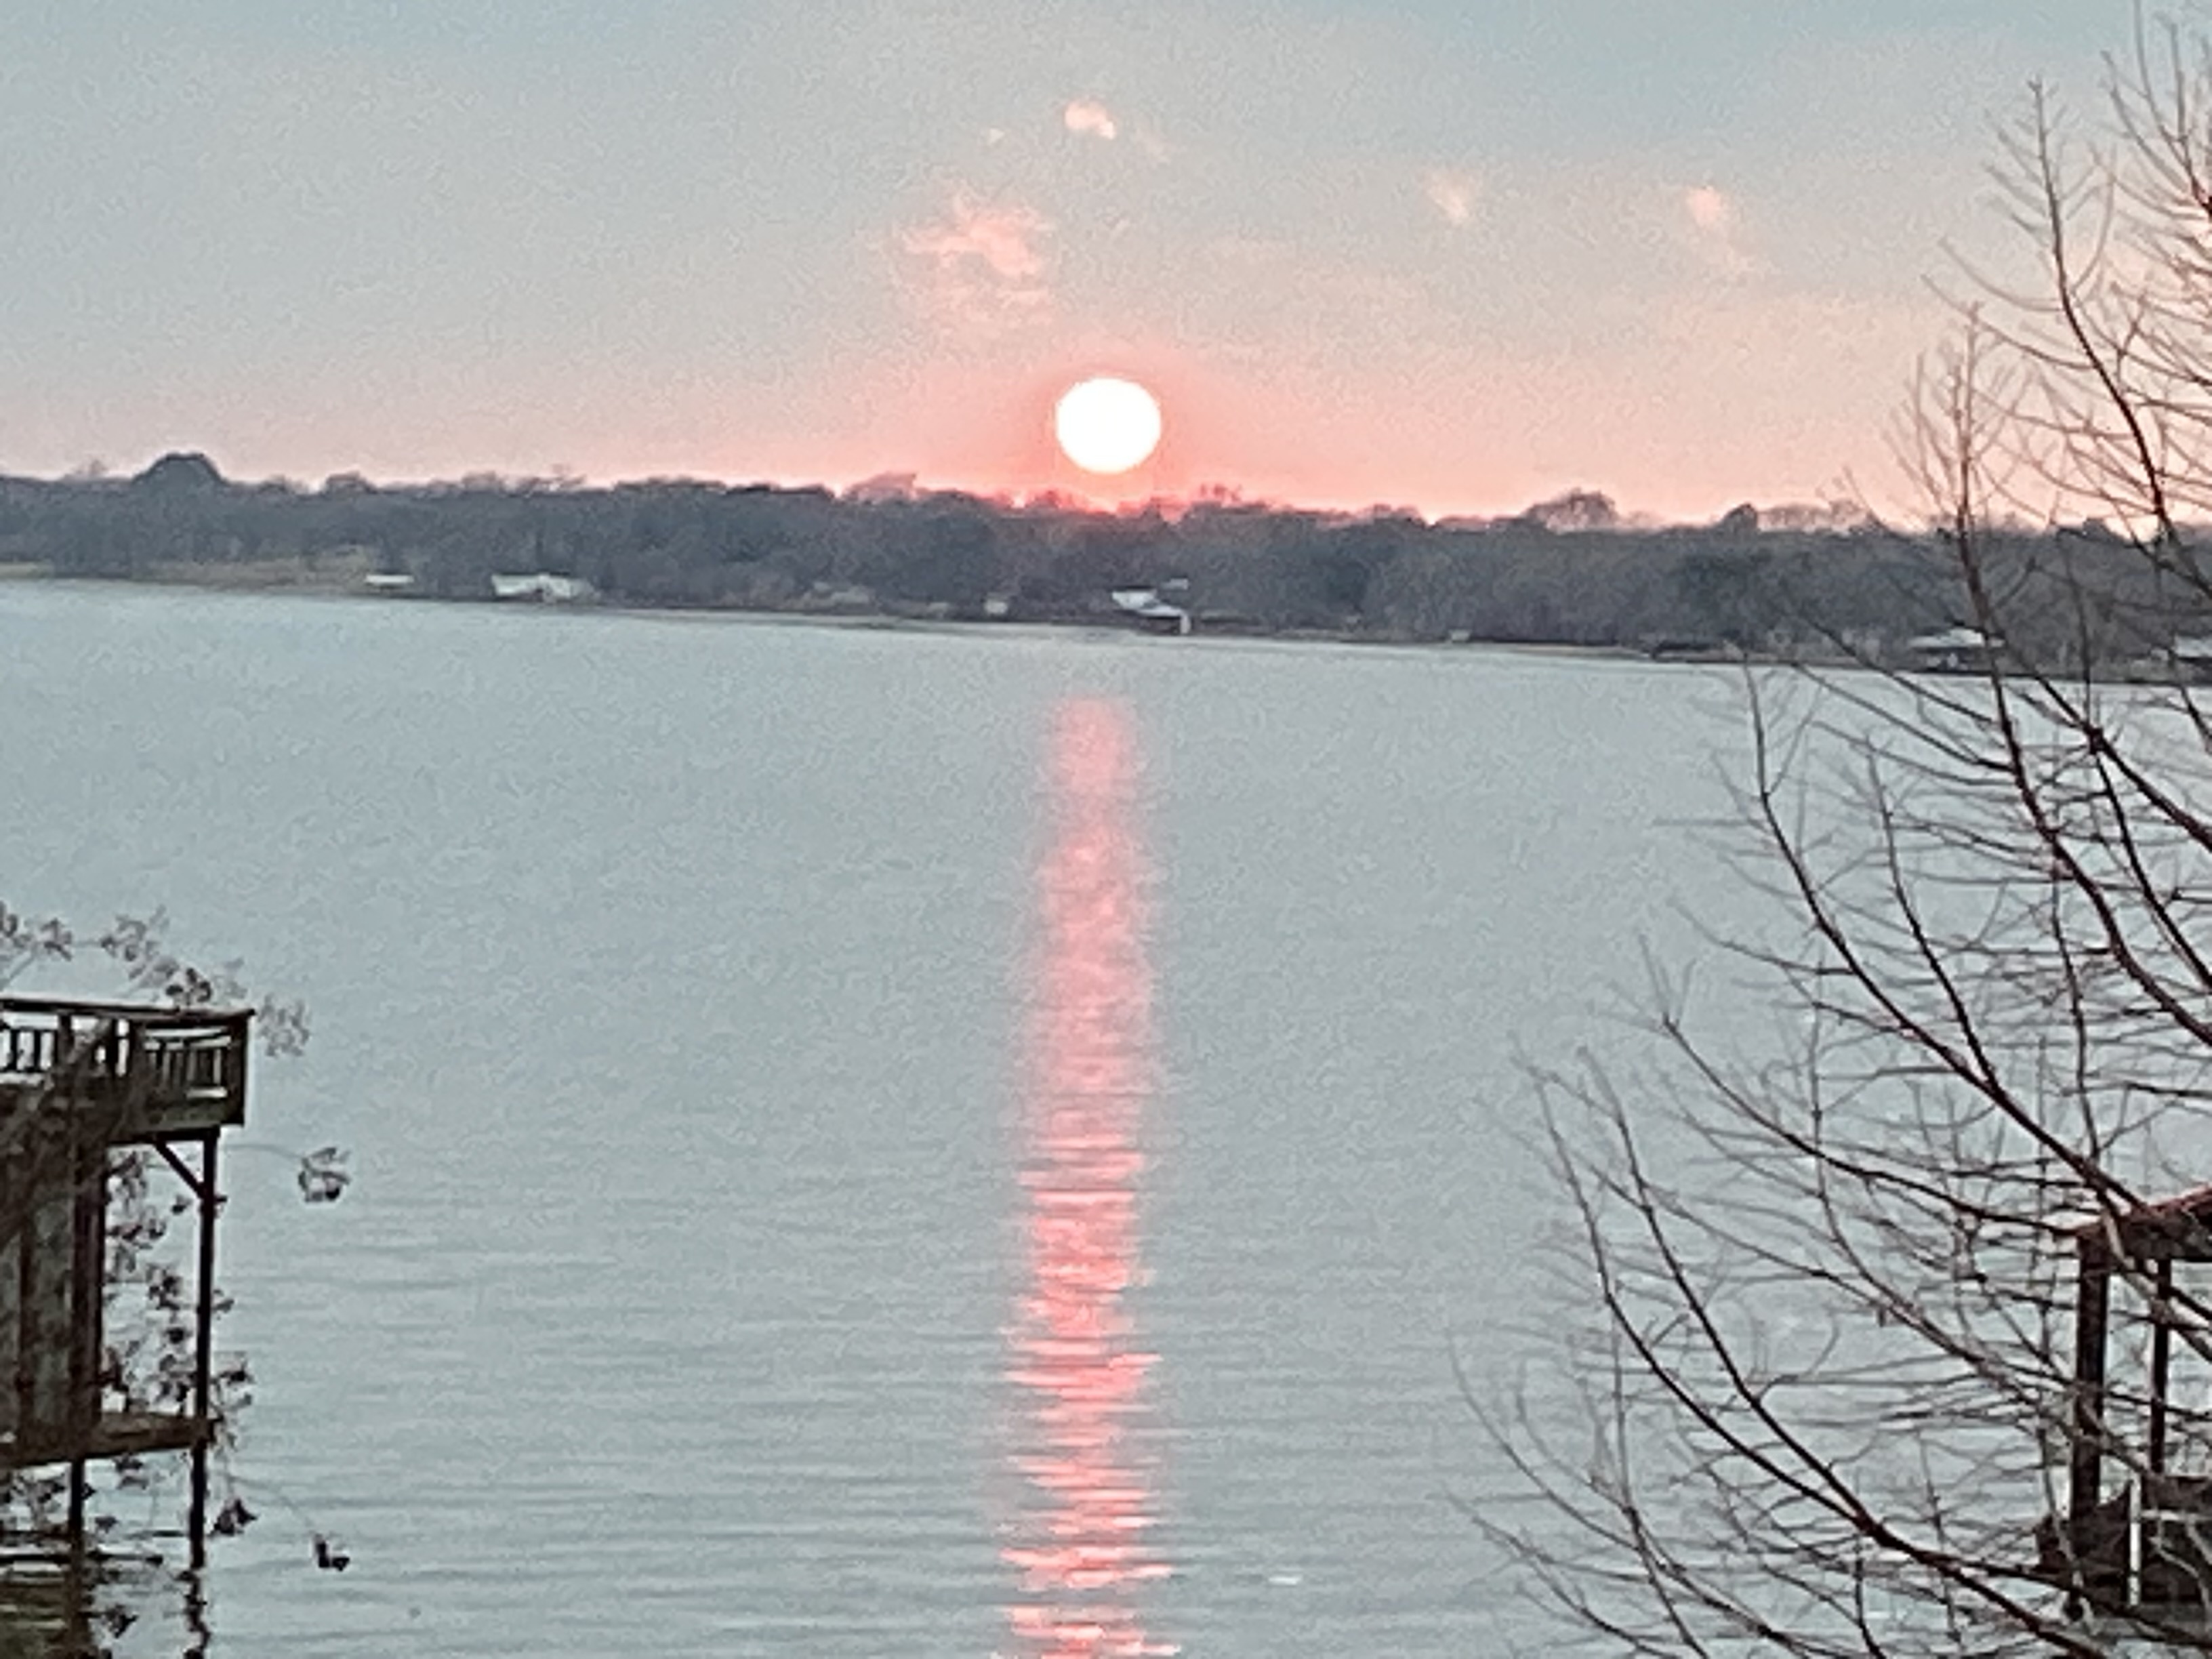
(98, 1606)
(1080, 1543)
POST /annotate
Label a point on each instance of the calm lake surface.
(868, 1142)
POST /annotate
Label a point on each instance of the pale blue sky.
(1456, 255)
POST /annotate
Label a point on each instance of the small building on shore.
(542, 587)
(1144, 607)
(2191, 658)
(1953, 651)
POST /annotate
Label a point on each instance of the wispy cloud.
(1452, 192)
(982, 267)
(1709, 209)
(1716, 232)
(1086, 116)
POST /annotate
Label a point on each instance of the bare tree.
(1896, 1348)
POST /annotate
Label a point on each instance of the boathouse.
(1953, 651)
(79, 1081)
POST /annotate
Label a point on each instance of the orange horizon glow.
(1277, 438)
(1078, 1543)
(1459, 438)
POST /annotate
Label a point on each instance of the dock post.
(87, 1282)
(2085, 1463)
(202, 1346)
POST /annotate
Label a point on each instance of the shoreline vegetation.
(1821, 584)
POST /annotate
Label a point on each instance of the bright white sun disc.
(1106, 425)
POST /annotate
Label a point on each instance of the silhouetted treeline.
(1567, 572)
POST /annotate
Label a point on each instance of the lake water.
(867, 1142)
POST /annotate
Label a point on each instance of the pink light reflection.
(1080, 1545)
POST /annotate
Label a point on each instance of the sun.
(1106, 425)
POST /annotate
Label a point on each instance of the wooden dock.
(79, 1081)
(2139, 1546)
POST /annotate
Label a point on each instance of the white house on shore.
(1146, 606)
(1953, 651)
(542, 587)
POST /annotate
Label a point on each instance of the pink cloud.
(1709, 209)
(1452, 193)
(1716, 233)
(1086, 115)
(982, 267)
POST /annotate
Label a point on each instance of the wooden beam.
(2086, 1465)
(116, 1434)
(210, 1203)
(2161, 1362)
(87, 1289)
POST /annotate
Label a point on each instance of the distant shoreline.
(299, 582)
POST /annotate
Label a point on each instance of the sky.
(1451, 255)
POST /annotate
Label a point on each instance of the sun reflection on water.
(1080, 1544)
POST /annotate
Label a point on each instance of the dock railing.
(184, 1068)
